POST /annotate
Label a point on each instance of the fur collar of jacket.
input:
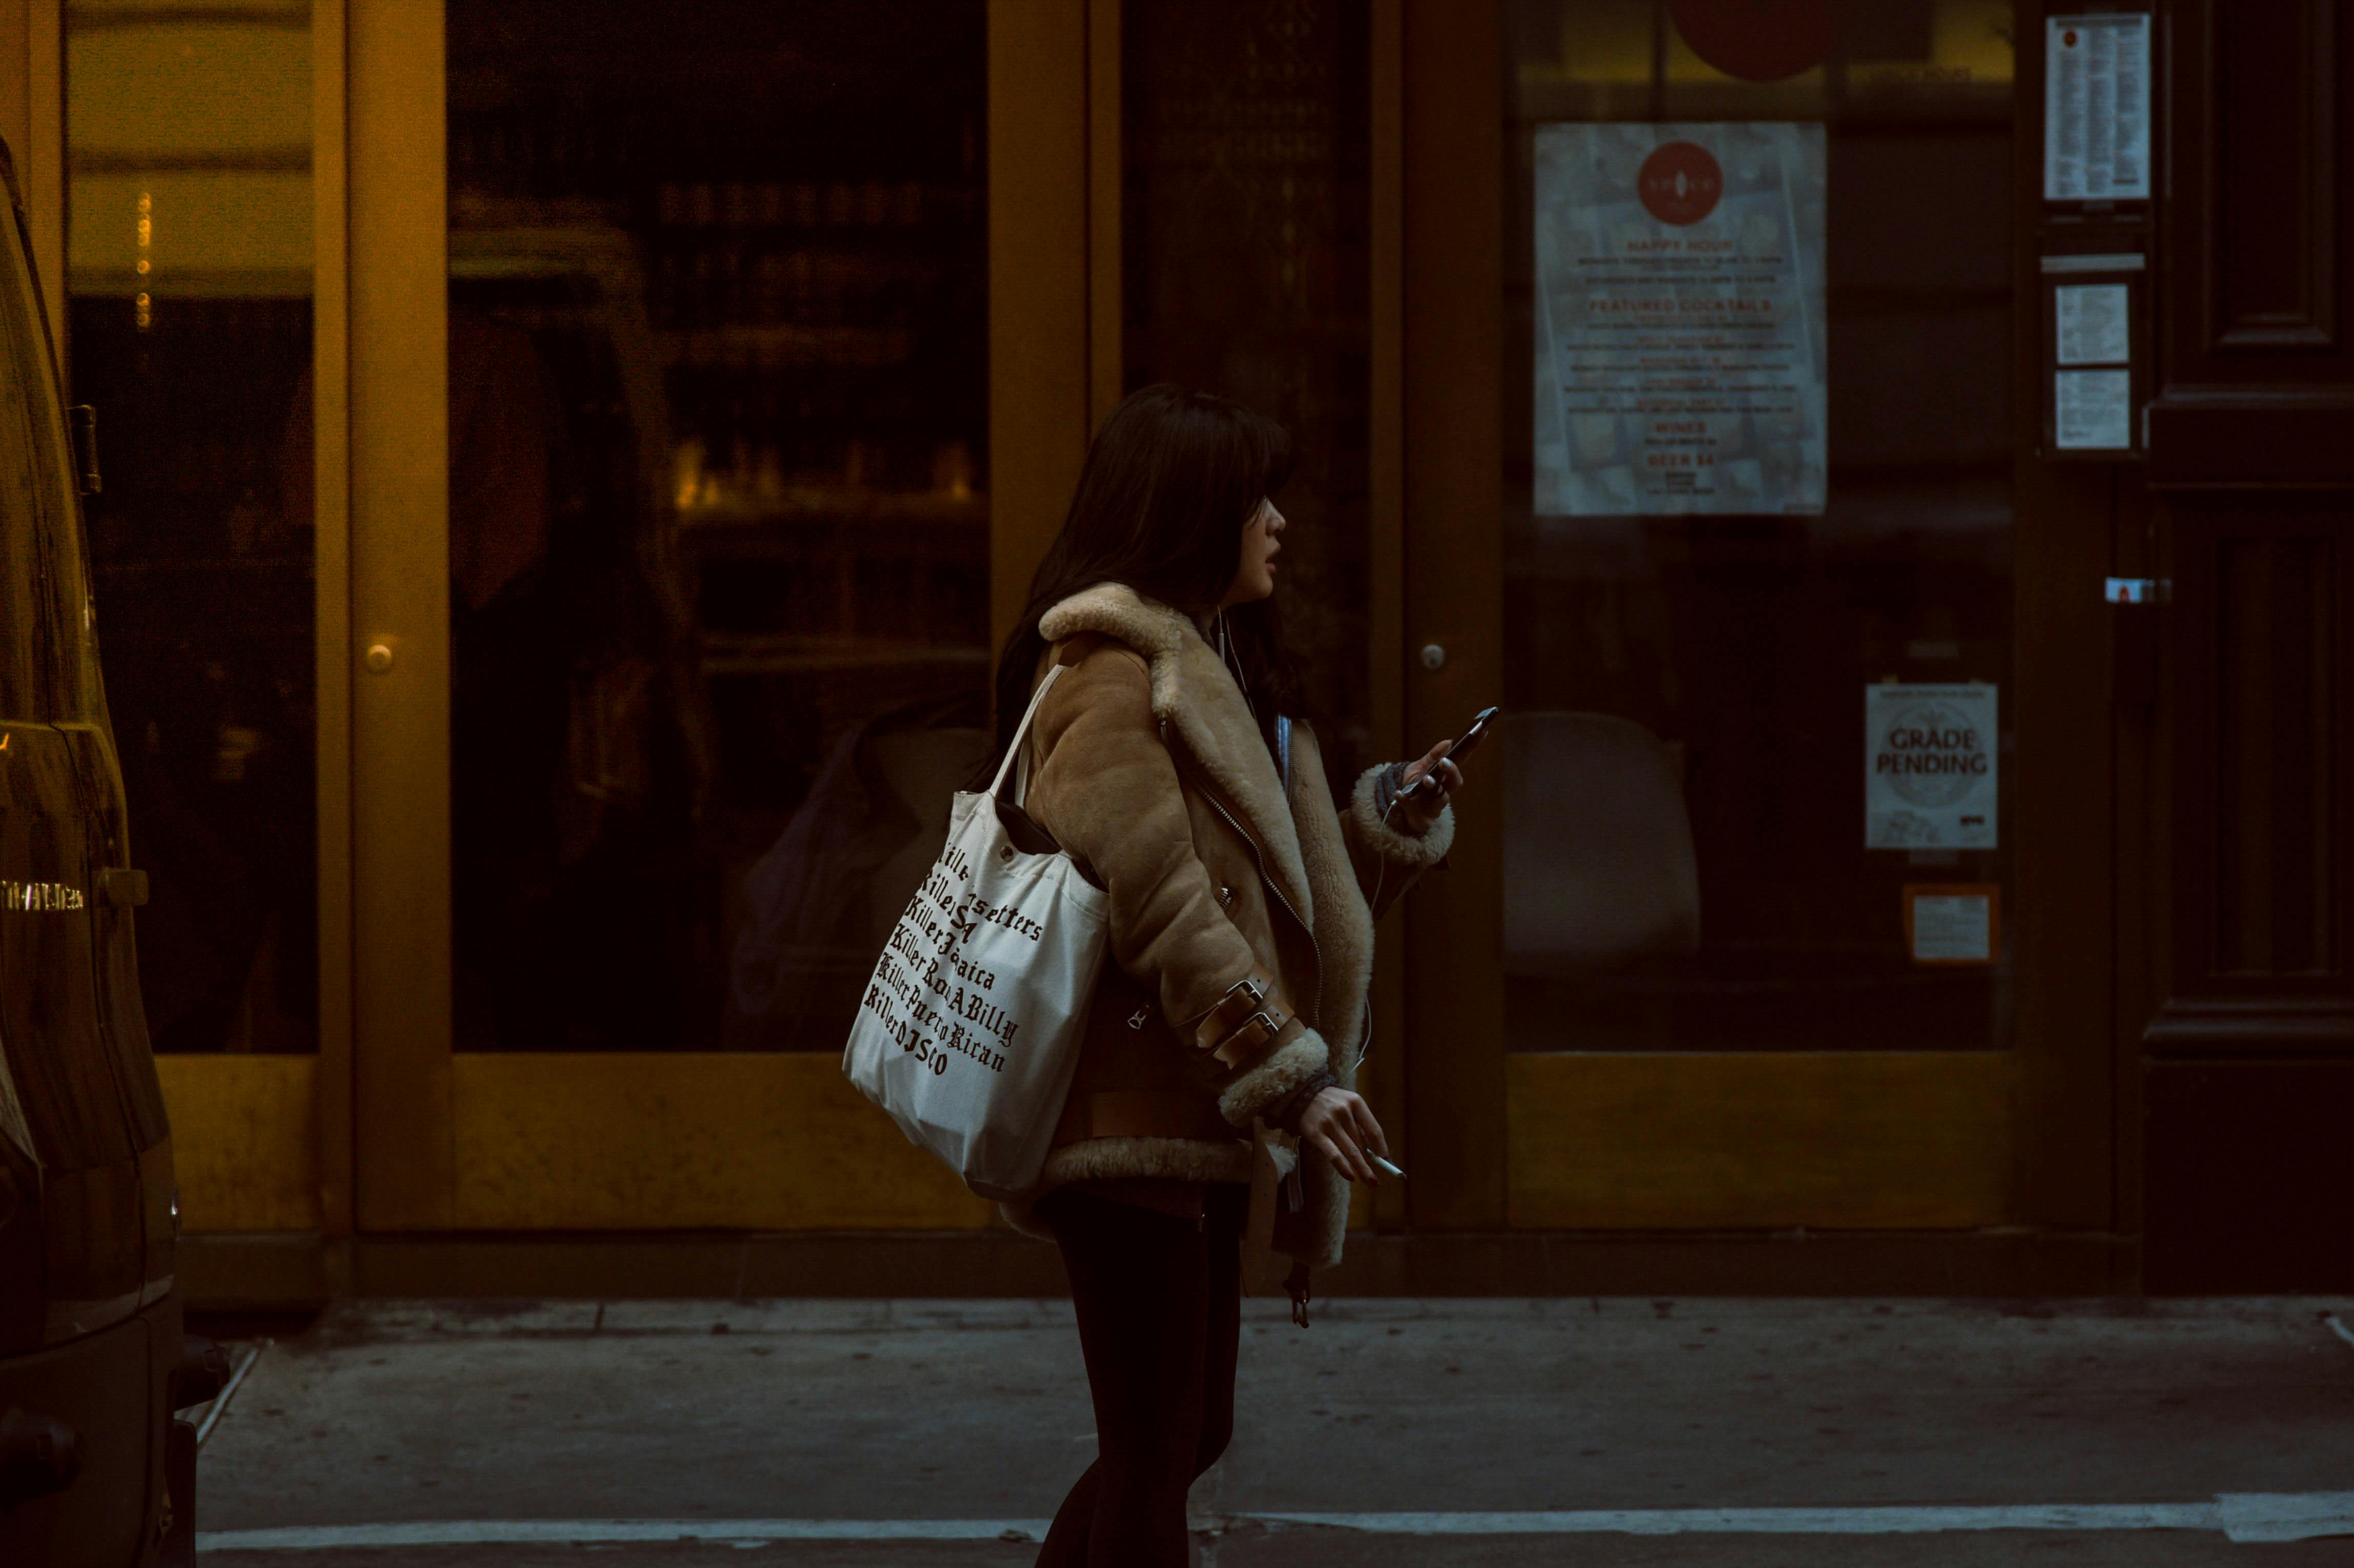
(1306, 859)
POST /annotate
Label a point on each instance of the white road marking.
(2339, 1328)
(2286, 1516)
(2240, 1516)
(594, 1531)
(1775, 1520)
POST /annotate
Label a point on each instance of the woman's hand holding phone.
(1423, 792)
(1418, 804)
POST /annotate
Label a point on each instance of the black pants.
(1159, 1309)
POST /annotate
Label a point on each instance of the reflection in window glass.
(1686, 762)
(718, 526)
(188, 280)
(1246, 270)
(41, 588)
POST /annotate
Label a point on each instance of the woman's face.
(1262, 542)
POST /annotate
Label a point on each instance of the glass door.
(683, 664)
(189, 297)
(1247, 269)
(1756, 889)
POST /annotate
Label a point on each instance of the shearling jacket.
(1147, 766)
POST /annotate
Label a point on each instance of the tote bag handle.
(1022, 734)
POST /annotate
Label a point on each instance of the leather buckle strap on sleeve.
(1244, 1023)
(1247, 1043)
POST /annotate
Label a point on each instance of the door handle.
(121, 888)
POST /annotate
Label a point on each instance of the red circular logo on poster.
(1679, 183)
(1760, 40)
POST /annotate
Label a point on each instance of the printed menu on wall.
(2096, 108)
(1680, 322)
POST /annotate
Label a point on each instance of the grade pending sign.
(1930, 773)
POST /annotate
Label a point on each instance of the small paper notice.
(2096, 108)
(2092, 411)
(2092, 324)
(1929, 766)
(1951, 925)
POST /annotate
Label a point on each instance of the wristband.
(1295, 1106)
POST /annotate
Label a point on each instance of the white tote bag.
(970, 1029)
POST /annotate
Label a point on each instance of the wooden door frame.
(451, 1142)
(1054, 270)
(398, 637)
(1450, 429)
(2077, 891)
(1834, 1140)
(331, 362)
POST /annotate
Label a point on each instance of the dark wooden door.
(2248, 1052)
(1798, 1061)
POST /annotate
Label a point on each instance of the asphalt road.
(467, 1423)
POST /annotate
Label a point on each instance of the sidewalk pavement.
(1430, 1433)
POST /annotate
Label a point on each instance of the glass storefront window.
(719, 526)
(1246, 270)
(188, 287)
(1759, 529)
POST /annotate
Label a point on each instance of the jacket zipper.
(1317, 1010)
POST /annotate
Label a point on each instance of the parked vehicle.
(94, 1471)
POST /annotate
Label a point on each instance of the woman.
(1232, 1016)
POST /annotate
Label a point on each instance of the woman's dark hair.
(1171, 480)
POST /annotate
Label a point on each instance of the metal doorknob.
(378, 657)
(1433, 657)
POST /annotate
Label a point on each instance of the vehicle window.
(40, 557)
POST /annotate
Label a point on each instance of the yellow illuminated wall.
(188, 148)
(1611, 44)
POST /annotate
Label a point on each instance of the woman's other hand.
(1418, 810)
(1341, 1126)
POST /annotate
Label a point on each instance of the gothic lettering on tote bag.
(969, 1032)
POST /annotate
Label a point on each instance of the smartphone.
(1462, 748)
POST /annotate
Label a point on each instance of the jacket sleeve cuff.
(1273, 1078)
(1418, 853)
